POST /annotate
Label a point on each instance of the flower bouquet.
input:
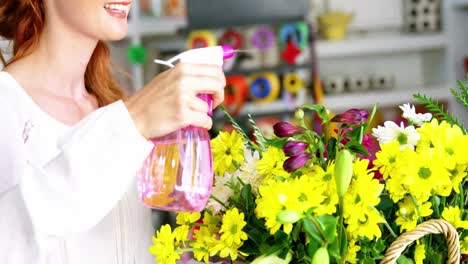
(331, 196)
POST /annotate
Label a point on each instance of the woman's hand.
(170, 101)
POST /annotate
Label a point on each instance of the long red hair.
(22, 21)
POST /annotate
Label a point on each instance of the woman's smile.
(118, 9)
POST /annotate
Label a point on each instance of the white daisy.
(409, 113)
(221, 191)
(406, 136)
(248, 171)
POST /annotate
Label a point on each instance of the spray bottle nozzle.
(228, 51)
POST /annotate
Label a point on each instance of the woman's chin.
(115, 34)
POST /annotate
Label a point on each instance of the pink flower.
(295, 163)
(294, 148)
(351, 116)
(285, 129)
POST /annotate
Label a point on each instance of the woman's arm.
(98, 160)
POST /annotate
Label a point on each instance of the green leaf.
(438, 110)
(379, 247)
(296, 231)
(276, 142)
(367, 260)
(356, 148)
(331, 148)
(312, 231)
(246, 195)
(404, 260)
(334, 250)
(371, 117)
(386, 203)
(249, 247)
(258, 134)
(328, 223)
(344, 240)
(321, 111)
(312, 247)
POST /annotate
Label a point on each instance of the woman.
(71, 143)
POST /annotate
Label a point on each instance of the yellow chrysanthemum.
(211, 222)
(226, 250)
(407, 215)
(426, 174)
(453, 216)
(228, 152)
(271, 163)
(457, 176)
(446, 139)
(387, 157)
(181, 233)
(164, 247)
(464, 245)
(324, 182)
(204, 242)
(231, 228)
(351, 254)
(419, 253)
(275, 196)
(185, 218)
(363, 193)
(367, 225)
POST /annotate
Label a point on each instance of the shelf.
(345, 101)
(460, 3)
(379, 43)
(150, 26)
(388, 98)
(282, 68)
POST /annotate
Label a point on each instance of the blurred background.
(340, 53)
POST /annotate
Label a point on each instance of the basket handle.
(433, 226)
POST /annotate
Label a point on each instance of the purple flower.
(295, 163)
(351, 116)
(294, 148)
(285, 129)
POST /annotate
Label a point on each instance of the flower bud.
(285, 129)
(351, 116)
(295, 163)
(294, 148)
(321, 256)
(299, 114)
(288, 217)
(343, 171)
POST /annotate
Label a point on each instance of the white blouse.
(68, 193)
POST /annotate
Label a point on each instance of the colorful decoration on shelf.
(264, 87)
(235, 93)
(333, 25)
(136, 54)
(263, 38)
(290, 52)
(201, 39)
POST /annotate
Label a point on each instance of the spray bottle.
(178, 173)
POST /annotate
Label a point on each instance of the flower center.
(424, 173)
(327, 177)
(449, 151)
(282, 198)
(392, 159)
(402, 139)
(234, 229)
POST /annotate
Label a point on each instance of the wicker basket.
(434, 226)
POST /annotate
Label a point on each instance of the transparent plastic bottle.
(178, 173)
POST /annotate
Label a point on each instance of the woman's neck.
(59, 62)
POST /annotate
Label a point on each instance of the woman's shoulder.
(11, 99)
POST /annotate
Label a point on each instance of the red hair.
(22, 21)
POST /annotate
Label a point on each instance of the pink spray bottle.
(178, 173)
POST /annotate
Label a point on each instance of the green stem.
(418, 210)
(314, 221)
(341, 226)
(361, 134)
(462, 197)
(435, 206)
(217, 200)
(388, 226)
(181, 250)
